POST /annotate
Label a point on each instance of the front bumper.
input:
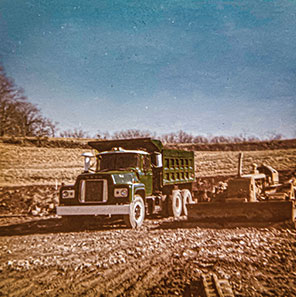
(93, 210)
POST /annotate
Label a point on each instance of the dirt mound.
(35, 200)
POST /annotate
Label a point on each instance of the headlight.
(120, 192)
(68, 194)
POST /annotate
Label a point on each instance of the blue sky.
(206, 67)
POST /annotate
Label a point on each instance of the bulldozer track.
(213, 287)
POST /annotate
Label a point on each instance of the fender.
(138, 188)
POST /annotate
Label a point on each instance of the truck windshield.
(118, 161)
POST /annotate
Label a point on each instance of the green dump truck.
(132, 178)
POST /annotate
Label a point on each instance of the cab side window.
(146, 163)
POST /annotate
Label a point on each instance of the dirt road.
(40, 257)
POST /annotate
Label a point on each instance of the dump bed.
(178, 167)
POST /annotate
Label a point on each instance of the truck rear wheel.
(186, 199)
(175, 204)
(137, 213)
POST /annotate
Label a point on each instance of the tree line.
(184, 137)
(19, 117)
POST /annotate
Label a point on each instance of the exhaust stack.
(240, 164)
(87, 159)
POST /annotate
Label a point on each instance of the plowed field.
(27, 165)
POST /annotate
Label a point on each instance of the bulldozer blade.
(263, 211)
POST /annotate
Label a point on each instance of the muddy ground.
(41, 257)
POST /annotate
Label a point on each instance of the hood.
(118, 177)
(124, 178)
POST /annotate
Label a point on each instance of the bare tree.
(131, 133)
(18, 117)
(219, 139)
(184, 137)
(200, 139)
(10, 99)
(169, 138)
(103, 135)
(75, 133)
(274, 136)
(177, 137)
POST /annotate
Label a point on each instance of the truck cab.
(127, 161)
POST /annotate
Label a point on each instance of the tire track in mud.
(138, 275)
(26, 290)
(148, 276)
(129, 279)
(19, 283)
(117, 278)
(28, 286)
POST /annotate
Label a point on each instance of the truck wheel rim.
(137, 212)
(178, 204)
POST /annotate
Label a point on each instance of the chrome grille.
(94, 190)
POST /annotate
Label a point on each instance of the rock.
(35, 212)
(51, 206)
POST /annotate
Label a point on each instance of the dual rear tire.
(186, 199)
(177, 202)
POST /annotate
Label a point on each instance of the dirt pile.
(34, 200)
(160, 259)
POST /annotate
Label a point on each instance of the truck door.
(146, 173)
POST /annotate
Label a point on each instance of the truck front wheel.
(136, 216)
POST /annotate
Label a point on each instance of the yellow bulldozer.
(254, 197)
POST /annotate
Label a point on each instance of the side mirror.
(87, 158)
